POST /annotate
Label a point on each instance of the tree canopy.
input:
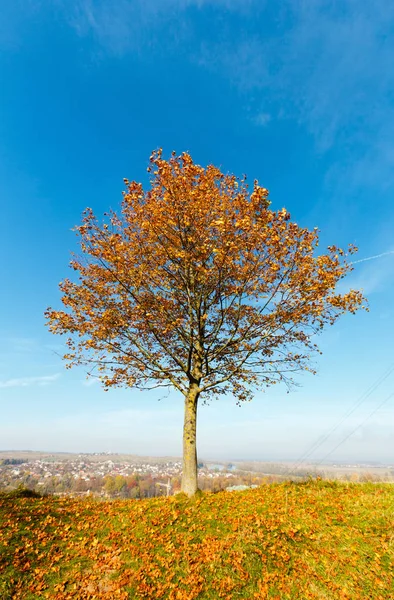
(198, 284)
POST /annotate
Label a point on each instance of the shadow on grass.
(22, 492)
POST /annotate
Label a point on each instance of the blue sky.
(299, 95)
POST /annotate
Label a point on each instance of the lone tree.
(199, 285)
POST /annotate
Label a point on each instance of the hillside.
(312, 540)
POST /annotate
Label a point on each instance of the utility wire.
(362, 398)
(358, 427)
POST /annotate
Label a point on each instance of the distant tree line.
(139, 486)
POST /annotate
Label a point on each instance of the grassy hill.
(313, 540)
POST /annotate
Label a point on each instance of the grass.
(317, 539)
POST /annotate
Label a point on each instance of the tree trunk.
(189, 467)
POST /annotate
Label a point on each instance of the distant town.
(113, 475)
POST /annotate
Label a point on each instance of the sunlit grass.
(313, 540)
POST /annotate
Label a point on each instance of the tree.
(198, 284)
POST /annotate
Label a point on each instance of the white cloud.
(20, 345)
(370, 277)
(28, 381)
(262, 119)
(128, 25)
(324, 65)
(355, 262)
(91, 381)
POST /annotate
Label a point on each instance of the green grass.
(307, 540)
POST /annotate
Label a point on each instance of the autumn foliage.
(198, 284)
(284, 542)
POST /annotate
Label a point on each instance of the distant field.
(318, 539)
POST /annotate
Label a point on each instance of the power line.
(358, 403)
(363, 397)
(358, 427)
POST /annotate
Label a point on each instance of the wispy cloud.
(327, 66)
(361, 260)
(91, 381)
(21, 345)
(122, 26)
(29, 381)
(262, 119)
(369, 277)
